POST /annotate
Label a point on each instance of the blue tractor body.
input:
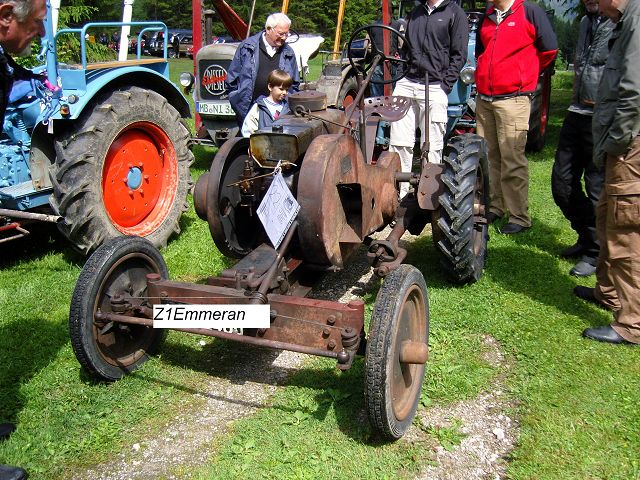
(39, 118)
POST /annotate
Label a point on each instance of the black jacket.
(438, 44)
(9, 72)
(591, 55)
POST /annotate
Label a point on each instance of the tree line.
(307, 16)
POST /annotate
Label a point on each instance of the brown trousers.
(504, 124)
(618, 227)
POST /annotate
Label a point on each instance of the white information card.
(278, 210)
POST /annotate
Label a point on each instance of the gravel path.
(490, 434)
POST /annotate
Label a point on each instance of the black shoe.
(492, 217)
(606, 334)
(588, 295)
(12, 473)
(585, 267)
(574, 250)
(512, 228)
(6, 429)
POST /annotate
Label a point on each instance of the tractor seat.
(390, 109)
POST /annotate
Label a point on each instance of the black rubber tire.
(460, 230)
(539, 116)
(392, 389)
(348, 91)
(234, 229)
(119, 266)
(81, 152)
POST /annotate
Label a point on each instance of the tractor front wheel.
(123, 170)
(397, 350)
(114, 276)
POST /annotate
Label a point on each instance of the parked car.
(179, 41)
(214, 41)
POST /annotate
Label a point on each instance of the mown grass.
(576, 400)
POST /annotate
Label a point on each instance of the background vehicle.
(104, 155)
(177, 43)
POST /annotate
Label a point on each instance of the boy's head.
(279, 82)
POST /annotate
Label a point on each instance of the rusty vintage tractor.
(346, 187)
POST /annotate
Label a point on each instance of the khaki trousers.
(618, 227)
(403, 131)
(504, 124)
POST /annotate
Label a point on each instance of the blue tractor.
(103, 152)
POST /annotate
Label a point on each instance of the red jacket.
(511, 55)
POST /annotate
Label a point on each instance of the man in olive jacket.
(574, 155)
(616, 126)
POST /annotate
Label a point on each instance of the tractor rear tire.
(348, 91)
(119, 267)
(539, 116)
(123, 170)
(459, 226)
(393, 384)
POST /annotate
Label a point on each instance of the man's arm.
(626, 122)
(458, 50)
(235, 67)
(250, 124)
(295, 74)
(22, 73)
(546, 42)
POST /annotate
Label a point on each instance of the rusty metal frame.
(317, 327)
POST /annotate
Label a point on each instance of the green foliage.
(69, 50)
(68, 46)
(449, 437)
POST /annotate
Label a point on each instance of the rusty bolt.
(343, 357)
(325, 333)
(331, 320)
(331, 345)
(164, 294)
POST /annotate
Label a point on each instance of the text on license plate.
(215, 108)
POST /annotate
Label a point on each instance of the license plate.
(210, 108)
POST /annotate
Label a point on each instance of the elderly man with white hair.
(255, 58)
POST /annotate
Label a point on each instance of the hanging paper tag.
(278, 210)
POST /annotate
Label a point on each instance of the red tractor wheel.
(124, 170)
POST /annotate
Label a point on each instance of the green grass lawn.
(576, 400)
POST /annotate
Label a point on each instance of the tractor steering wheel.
(364, 66)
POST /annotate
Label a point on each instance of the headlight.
(186, 79)
(468, 75)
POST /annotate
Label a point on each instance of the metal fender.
(122, 76)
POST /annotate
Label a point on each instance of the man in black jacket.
(575, 147)
(438, 34)
(20, 22)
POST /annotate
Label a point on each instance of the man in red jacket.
(515, 43)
